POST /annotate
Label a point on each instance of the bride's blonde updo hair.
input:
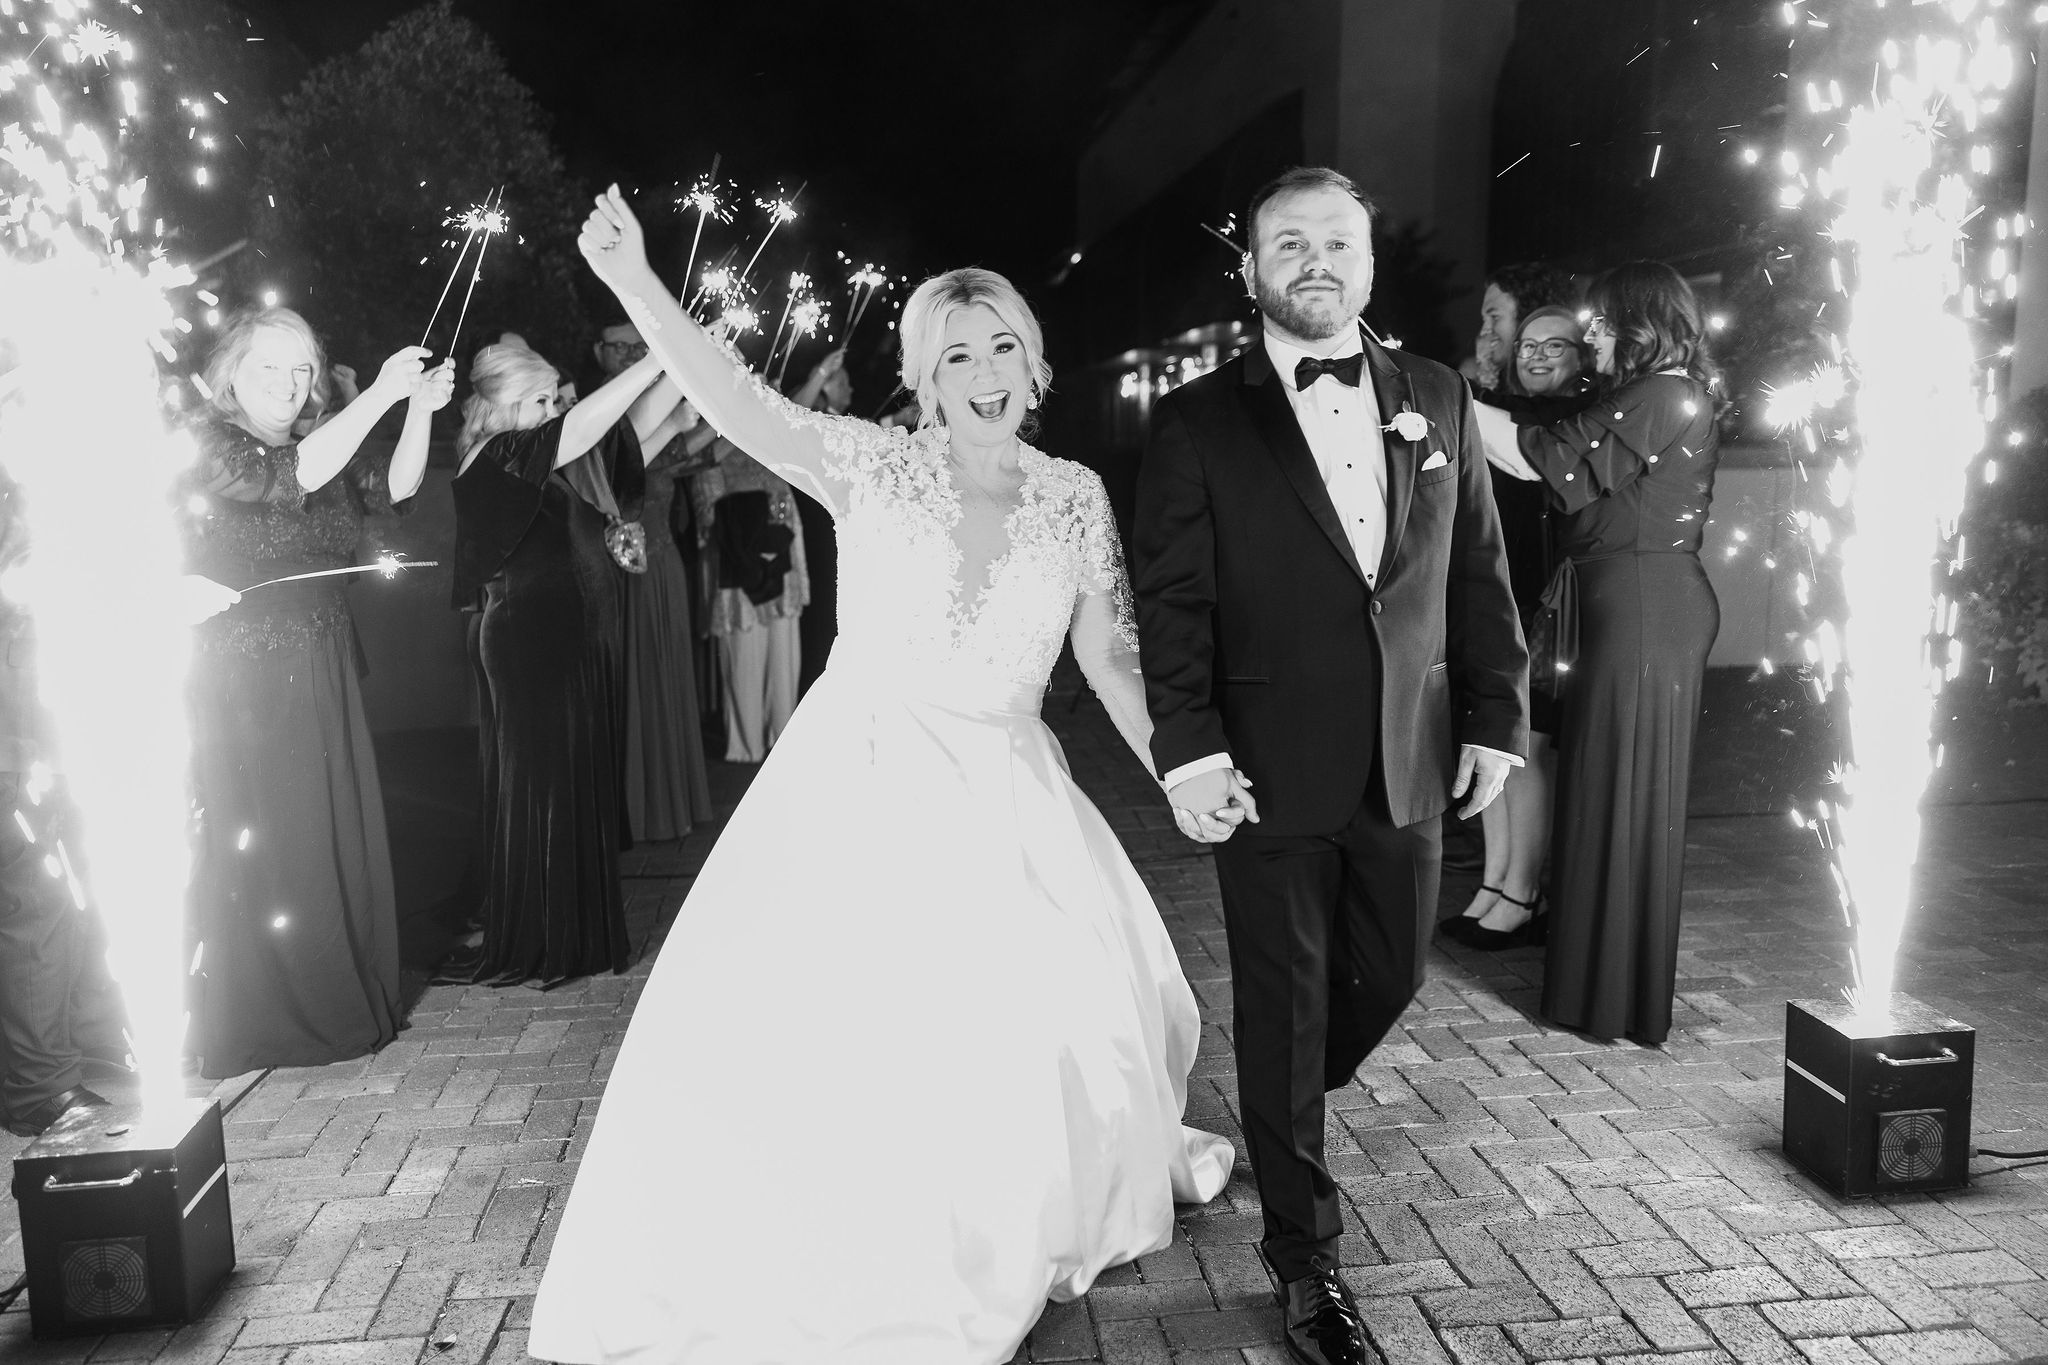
(924, 332)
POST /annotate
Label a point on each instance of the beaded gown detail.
(293, 903)
(917, 932)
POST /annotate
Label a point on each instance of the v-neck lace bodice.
(900, 529)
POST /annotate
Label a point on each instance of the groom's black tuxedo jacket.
(1260, 637)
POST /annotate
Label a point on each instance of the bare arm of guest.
(584, 425)
(409, 460)
(327, 449)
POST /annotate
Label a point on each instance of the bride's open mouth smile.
(990, 406)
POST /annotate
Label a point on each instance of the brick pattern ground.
(1514, 1193)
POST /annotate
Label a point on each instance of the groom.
(1324, 612)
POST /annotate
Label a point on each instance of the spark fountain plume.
(84, 321)
(1900, 187)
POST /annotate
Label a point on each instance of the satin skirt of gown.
(913, 1059)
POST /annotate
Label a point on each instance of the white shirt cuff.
(1514, 760)
(1175, 776)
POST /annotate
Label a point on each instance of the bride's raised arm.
(765, 426)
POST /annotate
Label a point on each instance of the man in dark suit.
(1324, 610)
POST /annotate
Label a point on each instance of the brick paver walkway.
(1514, 1192)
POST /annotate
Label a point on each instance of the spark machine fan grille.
(106, 1279)
(1910, 1144)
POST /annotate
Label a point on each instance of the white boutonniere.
(1408, 424)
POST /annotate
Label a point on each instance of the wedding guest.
(667, 788)
(755, 574)
(1632, 478)
(540, 539)
(829, 389)
(1552, 376)
(1512, 293)
(292, 896)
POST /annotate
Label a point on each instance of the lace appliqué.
(898, 514)
(1102, 554)
(260, 635)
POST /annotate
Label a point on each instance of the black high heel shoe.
(1458, 928)
(1528, 933)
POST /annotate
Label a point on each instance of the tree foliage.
(362, 165)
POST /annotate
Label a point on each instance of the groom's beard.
(1313, 316)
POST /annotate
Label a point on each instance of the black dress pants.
(1328, 937)
(38, 946)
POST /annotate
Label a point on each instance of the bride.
(914, 1056)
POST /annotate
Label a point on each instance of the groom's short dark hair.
(1302, 178)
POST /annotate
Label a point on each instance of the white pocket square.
(1437, 460)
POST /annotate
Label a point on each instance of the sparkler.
(703, 197)
(474, 221)
(862, 286)
(388, 565)
(804, 320)
(482, 222)
(1900, 184)
(779, 211)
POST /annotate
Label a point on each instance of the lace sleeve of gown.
(234, 465)
(1104, 628)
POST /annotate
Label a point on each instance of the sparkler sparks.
(703, 197)
(480, 222)
(95, 42)
(779, 211)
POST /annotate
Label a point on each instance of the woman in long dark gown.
(1633, 476)
(667, 787)
(292, 897)
(534, 496)
(1550, 377)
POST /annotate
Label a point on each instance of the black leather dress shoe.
(1322, 1320)
(36, 1121)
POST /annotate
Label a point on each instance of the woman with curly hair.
(293, 905)
(1631, 477)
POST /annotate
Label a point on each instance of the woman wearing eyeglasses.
(1631, 478)
(1551, 377)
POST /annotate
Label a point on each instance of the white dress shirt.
(1343, 430)
(1342, 426)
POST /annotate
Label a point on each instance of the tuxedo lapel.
(1265, 395)
(1391, 389)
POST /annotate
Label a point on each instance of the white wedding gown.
(914, 1056)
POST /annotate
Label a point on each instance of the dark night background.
(930, 134)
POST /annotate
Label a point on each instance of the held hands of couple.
(1209, 807)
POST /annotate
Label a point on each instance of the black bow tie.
(1344, 369)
